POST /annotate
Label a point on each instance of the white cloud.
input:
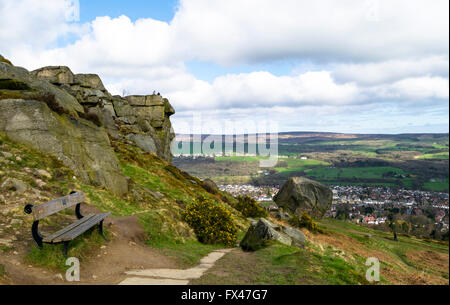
(326, 30)
(378, 52)
(368, 74)
(418, 88)
(34, 24)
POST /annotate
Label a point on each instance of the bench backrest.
(56, 205)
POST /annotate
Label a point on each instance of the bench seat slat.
(56, 205)
(50, 238)
(80, 229)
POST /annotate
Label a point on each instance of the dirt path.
(104, 265)
(173, 276)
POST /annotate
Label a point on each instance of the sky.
(354, 66)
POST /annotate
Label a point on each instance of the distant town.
(366, 204)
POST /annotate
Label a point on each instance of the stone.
(145, 100)
(150, 281)
(210, 186)
(54, 74)
(40, 183)
(13, 184)
(7, 154)
(297, 237)
(145, 142)
(260, 233)
(6, 242)
(280, 215)
(89, 81)
(42, 173)
(301, 195)
(15, 221)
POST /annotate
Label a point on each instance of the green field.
(298, 165)
(438, 186)
(356, 172)
(406, 161)
(441, 155)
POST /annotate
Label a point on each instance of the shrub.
(212, 222)
(249, 207)
(50, 100)
(12, 84)
(305, 221)
(5, 60)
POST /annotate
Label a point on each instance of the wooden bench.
(70, 232)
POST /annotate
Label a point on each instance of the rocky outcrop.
(260, 233)
(78, 143)
(73, 116)
(301, 195)
(141, 119)
(17, 80)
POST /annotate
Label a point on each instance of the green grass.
(186, 250)
(2, 270)
(52, 256)
(298, 165)
(279, 264)
(324, 264)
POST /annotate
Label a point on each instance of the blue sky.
(372, 66)
(134, 9)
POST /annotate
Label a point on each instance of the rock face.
(78, 143)
(299, 195)
(263, 231)
(73, 116)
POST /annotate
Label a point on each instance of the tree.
(393, 224)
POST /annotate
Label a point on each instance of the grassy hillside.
(159, 192)
(337, 257)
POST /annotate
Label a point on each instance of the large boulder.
(261, 232)
(302, 195)
(210, 186)
(89, 81)
(78, 143)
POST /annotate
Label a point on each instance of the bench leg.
(100, 230)
(35, 233)
(66, 248)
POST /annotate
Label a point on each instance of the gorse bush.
(305, 221)
(249, 207)
(212, 222)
